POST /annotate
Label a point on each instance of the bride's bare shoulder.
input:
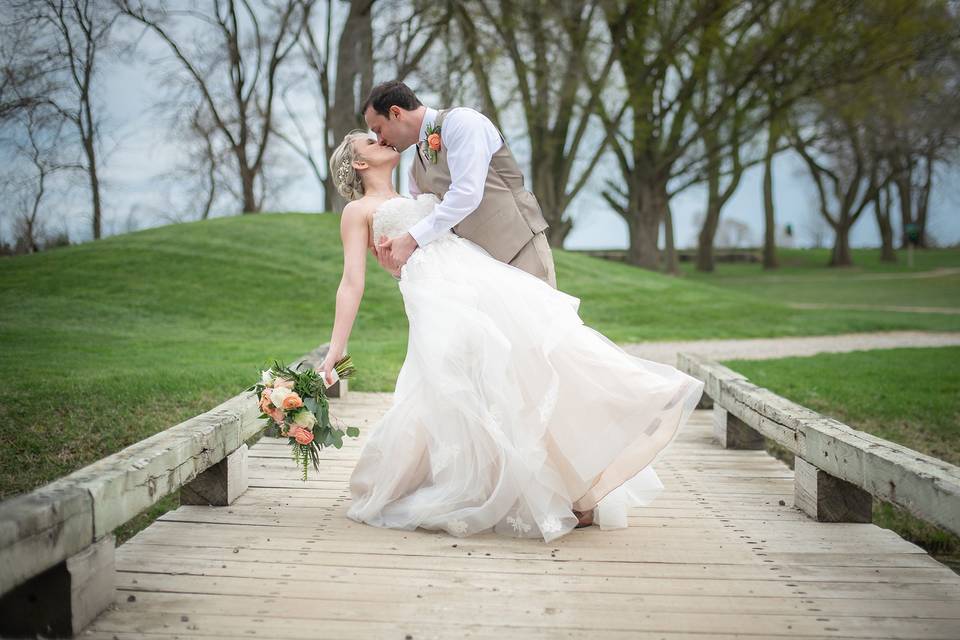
(362, 208)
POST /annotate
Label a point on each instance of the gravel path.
(766, 348)
(874, 307)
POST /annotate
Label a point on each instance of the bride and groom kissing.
(510, 415)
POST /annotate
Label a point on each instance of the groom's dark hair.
(386, 94)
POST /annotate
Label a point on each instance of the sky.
(142, 150)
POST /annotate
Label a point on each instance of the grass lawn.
(908, 396)
(933, 281)
(107, 342)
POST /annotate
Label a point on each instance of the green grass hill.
(107, 342)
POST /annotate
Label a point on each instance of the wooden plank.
(715, 556)
(721, 596)
(240, 613)
(618, 576)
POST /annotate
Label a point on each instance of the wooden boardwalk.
(722, 553)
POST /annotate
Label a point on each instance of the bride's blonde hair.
(346, 179)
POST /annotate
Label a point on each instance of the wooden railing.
(57, 543)
(837, 468)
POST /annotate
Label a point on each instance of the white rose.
(266, 377)
(278, 394)
(305, 419)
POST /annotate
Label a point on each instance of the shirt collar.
(429, 117)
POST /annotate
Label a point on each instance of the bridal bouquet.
(295, 401)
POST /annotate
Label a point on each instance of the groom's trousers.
(536, 258)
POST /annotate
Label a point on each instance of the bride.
(509, 414)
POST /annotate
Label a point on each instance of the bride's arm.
(354, 234)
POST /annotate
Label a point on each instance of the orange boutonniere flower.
(431, 146)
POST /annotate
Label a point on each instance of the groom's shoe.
(584, 518)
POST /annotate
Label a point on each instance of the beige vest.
(508, 215)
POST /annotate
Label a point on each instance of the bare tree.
(847, 176)
(662, 52)
(238, 46)
(72, 34)
(922, 130)
(35, 140)
(28, 69)
(409, 31)
(559, 69)
(881, 48)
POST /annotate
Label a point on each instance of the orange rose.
(434, 141)
(276, 414)
(303, 436)
(292, 401)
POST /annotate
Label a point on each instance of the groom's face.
(394, 130)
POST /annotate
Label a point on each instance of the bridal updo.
(346, 179)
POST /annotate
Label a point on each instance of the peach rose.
(276, 414)
(283, 382)
(434, 141)
(292, 401)
(303, 436)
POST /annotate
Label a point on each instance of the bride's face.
(375, 155)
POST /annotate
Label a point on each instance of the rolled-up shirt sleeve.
(471, 140)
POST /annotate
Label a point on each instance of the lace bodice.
(396, 215)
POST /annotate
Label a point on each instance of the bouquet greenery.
(296, 402)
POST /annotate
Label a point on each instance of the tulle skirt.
(509, 411)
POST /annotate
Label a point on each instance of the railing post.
(733, 433)
(219, 485)
(827, 498)
(61, 601)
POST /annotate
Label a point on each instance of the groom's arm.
(471, 140)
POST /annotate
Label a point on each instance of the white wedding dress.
(508, 411)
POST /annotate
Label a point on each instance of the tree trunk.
(840, 257)
(354, 70)
(645, 214)
(923, 200)
(881, 206)
(94, 186)
(247, 190)
(905, 191)
(769, 222)
(711, 218)
(550, 195)
(708, 232)
(671, 263)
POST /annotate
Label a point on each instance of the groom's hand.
(383, 257)
(399, 249)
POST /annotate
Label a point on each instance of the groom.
(464, 160)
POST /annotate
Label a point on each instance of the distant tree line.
(645, 98)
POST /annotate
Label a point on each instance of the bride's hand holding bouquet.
(296, 402)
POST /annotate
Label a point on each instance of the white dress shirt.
(470, 140)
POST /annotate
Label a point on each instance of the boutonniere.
(431, 146)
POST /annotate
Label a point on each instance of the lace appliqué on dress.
(457, 527)
(550, 525)
(443, 456)
(519, 524)
(396, 215)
